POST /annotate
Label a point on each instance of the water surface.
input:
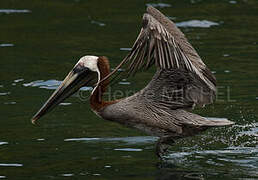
(40, 41)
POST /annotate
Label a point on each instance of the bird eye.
(80, 68)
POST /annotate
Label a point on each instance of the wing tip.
(155, 12)
(150, 8)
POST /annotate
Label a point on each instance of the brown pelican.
(181, 82)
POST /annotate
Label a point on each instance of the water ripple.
(4, 93)
(128, 140)
(119, 70)
(6, 45)
(237, 157)
(128, 149)
(11, 164)
(124, 83)
(11, 102)
(50, 84)
(160, 5)
(10, 11)
(232, 2)
(18, 80)
(197, 23)
(98, 23)
(125, 49)
(2, 143)
(67, 175)
(65, 104)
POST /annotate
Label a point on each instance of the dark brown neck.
(96, 101)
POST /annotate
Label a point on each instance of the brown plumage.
(96, 101)
(181, 82)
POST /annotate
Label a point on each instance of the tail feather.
(218, 122)
(191, 119)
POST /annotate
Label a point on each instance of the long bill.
(76, 78)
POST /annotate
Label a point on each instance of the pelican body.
(161, 109)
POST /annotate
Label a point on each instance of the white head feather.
(91, 62)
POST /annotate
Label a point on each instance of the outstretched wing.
(161, 43)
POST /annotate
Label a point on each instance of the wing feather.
(161, 43)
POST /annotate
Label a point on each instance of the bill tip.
(33, 120)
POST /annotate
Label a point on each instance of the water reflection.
(48, 84)
(2, 143)
(128, 149)
(232, 2)
(4, 93)
(124, 82)
(197, 23)
(98, 23)
(6, 45)
(67, 175)
(238, 158)
(18, 80)
(10, 11)
(65, 104)
(53, 84)
(11, 164)
(127, 140)
(10, 102)
(169, 172)
(125, 49)
(210, 163)
(159, 5)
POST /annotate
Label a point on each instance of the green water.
(46, 39)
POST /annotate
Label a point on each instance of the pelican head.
(84, 73)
